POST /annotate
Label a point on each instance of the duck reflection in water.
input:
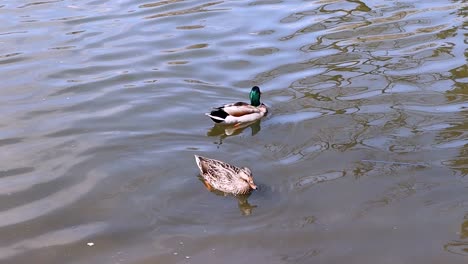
(460, 246)
(243, 204)
(224, 131)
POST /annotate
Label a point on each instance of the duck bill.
(253, 186)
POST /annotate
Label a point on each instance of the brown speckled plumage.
(225, 177)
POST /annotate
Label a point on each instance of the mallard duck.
(240, 112)
(225, 177)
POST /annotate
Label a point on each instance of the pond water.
(363, 157)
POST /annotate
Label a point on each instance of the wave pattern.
(102, 108)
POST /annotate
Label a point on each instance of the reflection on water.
(460, 246)
(362, 160)
(245, 207)
(224, 131)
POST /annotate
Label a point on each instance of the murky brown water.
(362, 159)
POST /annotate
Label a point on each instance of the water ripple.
(46, 205)
(56, 238)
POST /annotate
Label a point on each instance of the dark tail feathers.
(219, 112)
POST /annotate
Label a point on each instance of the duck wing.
(240, 109)
(207, 165)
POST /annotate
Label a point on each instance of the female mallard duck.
(240, 112)
(224, 177)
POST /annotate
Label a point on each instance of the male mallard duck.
(240, 112)
(224, 177)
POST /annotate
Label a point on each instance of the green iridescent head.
(255, 96)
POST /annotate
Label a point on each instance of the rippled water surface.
(363, 157)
